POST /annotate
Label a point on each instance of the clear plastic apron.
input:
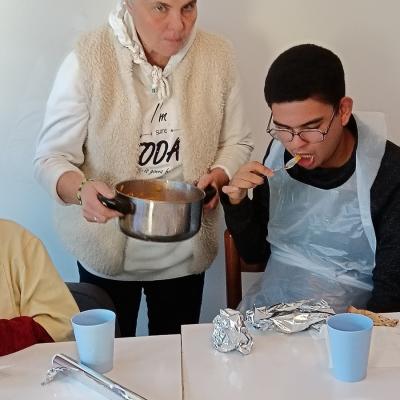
(322, 241)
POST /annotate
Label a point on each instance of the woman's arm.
(235, 142)
(59, 151)
(60, 143)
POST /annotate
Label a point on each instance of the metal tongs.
(68, 366)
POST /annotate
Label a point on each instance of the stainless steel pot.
(159, 210)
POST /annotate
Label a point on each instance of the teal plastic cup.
(349, 338)
(94, 332)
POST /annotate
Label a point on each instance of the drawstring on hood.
(123, 26)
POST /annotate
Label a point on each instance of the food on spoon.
(379, 320)
(292, 162)
(297, 157)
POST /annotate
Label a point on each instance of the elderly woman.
(35, 304)
(147, 96)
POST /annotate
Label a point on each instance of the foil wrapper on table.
(230, 332)
(289, 317)
(65, 365)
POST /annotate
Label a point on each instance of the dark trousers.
(170, 302)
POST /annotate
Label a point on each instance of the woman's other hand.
(215, 178)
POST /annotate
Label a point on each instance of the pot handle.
(120, 204)
(210, 192)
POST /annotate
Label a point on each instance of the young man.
(330, 226)
(35, 304)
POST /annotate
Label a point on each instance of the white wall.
(35, 35)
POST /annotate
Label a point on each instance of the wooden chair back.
(234, 266)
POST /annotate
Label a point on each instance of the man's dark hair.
(303, 72)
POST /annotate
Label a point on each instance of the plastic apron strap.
(372, 136)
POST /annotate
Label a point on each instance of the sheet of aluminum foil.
(230, 332)
(65, 365)
(289, 317)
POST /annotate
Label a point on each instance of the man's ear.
(345, 109)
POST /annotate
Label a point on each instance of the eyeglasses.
(309, 135)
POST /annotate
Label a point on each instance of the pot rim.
(164, 182)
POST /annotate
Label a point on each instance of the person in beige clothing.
(35, 304)
(147, 96)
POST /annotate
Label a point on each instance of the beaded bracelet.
(79, 191)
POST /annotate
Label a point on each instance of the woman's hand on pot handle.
(248, 176)
(215, 178)
(92, 209)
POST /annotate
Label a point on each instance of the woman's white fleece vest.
(201, 82)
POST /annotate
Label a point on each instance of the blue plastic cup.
(94, 332)
(349, 342)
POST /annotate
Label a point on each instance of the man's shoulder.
(387, 180)
(392, 148)
(390, 164)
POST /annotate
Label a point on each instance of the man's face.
(163, 26)
(338, 143)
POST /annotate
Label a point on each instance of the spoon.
(290, 164)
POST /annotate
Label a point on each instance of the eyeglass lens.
(311, 136)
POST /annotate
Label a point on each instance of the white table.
(149, 366)
(279, 367)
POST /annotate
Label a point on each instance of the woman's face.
(163, 26)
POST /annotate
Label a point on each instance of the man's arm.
(248, 224)
(385, 207)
